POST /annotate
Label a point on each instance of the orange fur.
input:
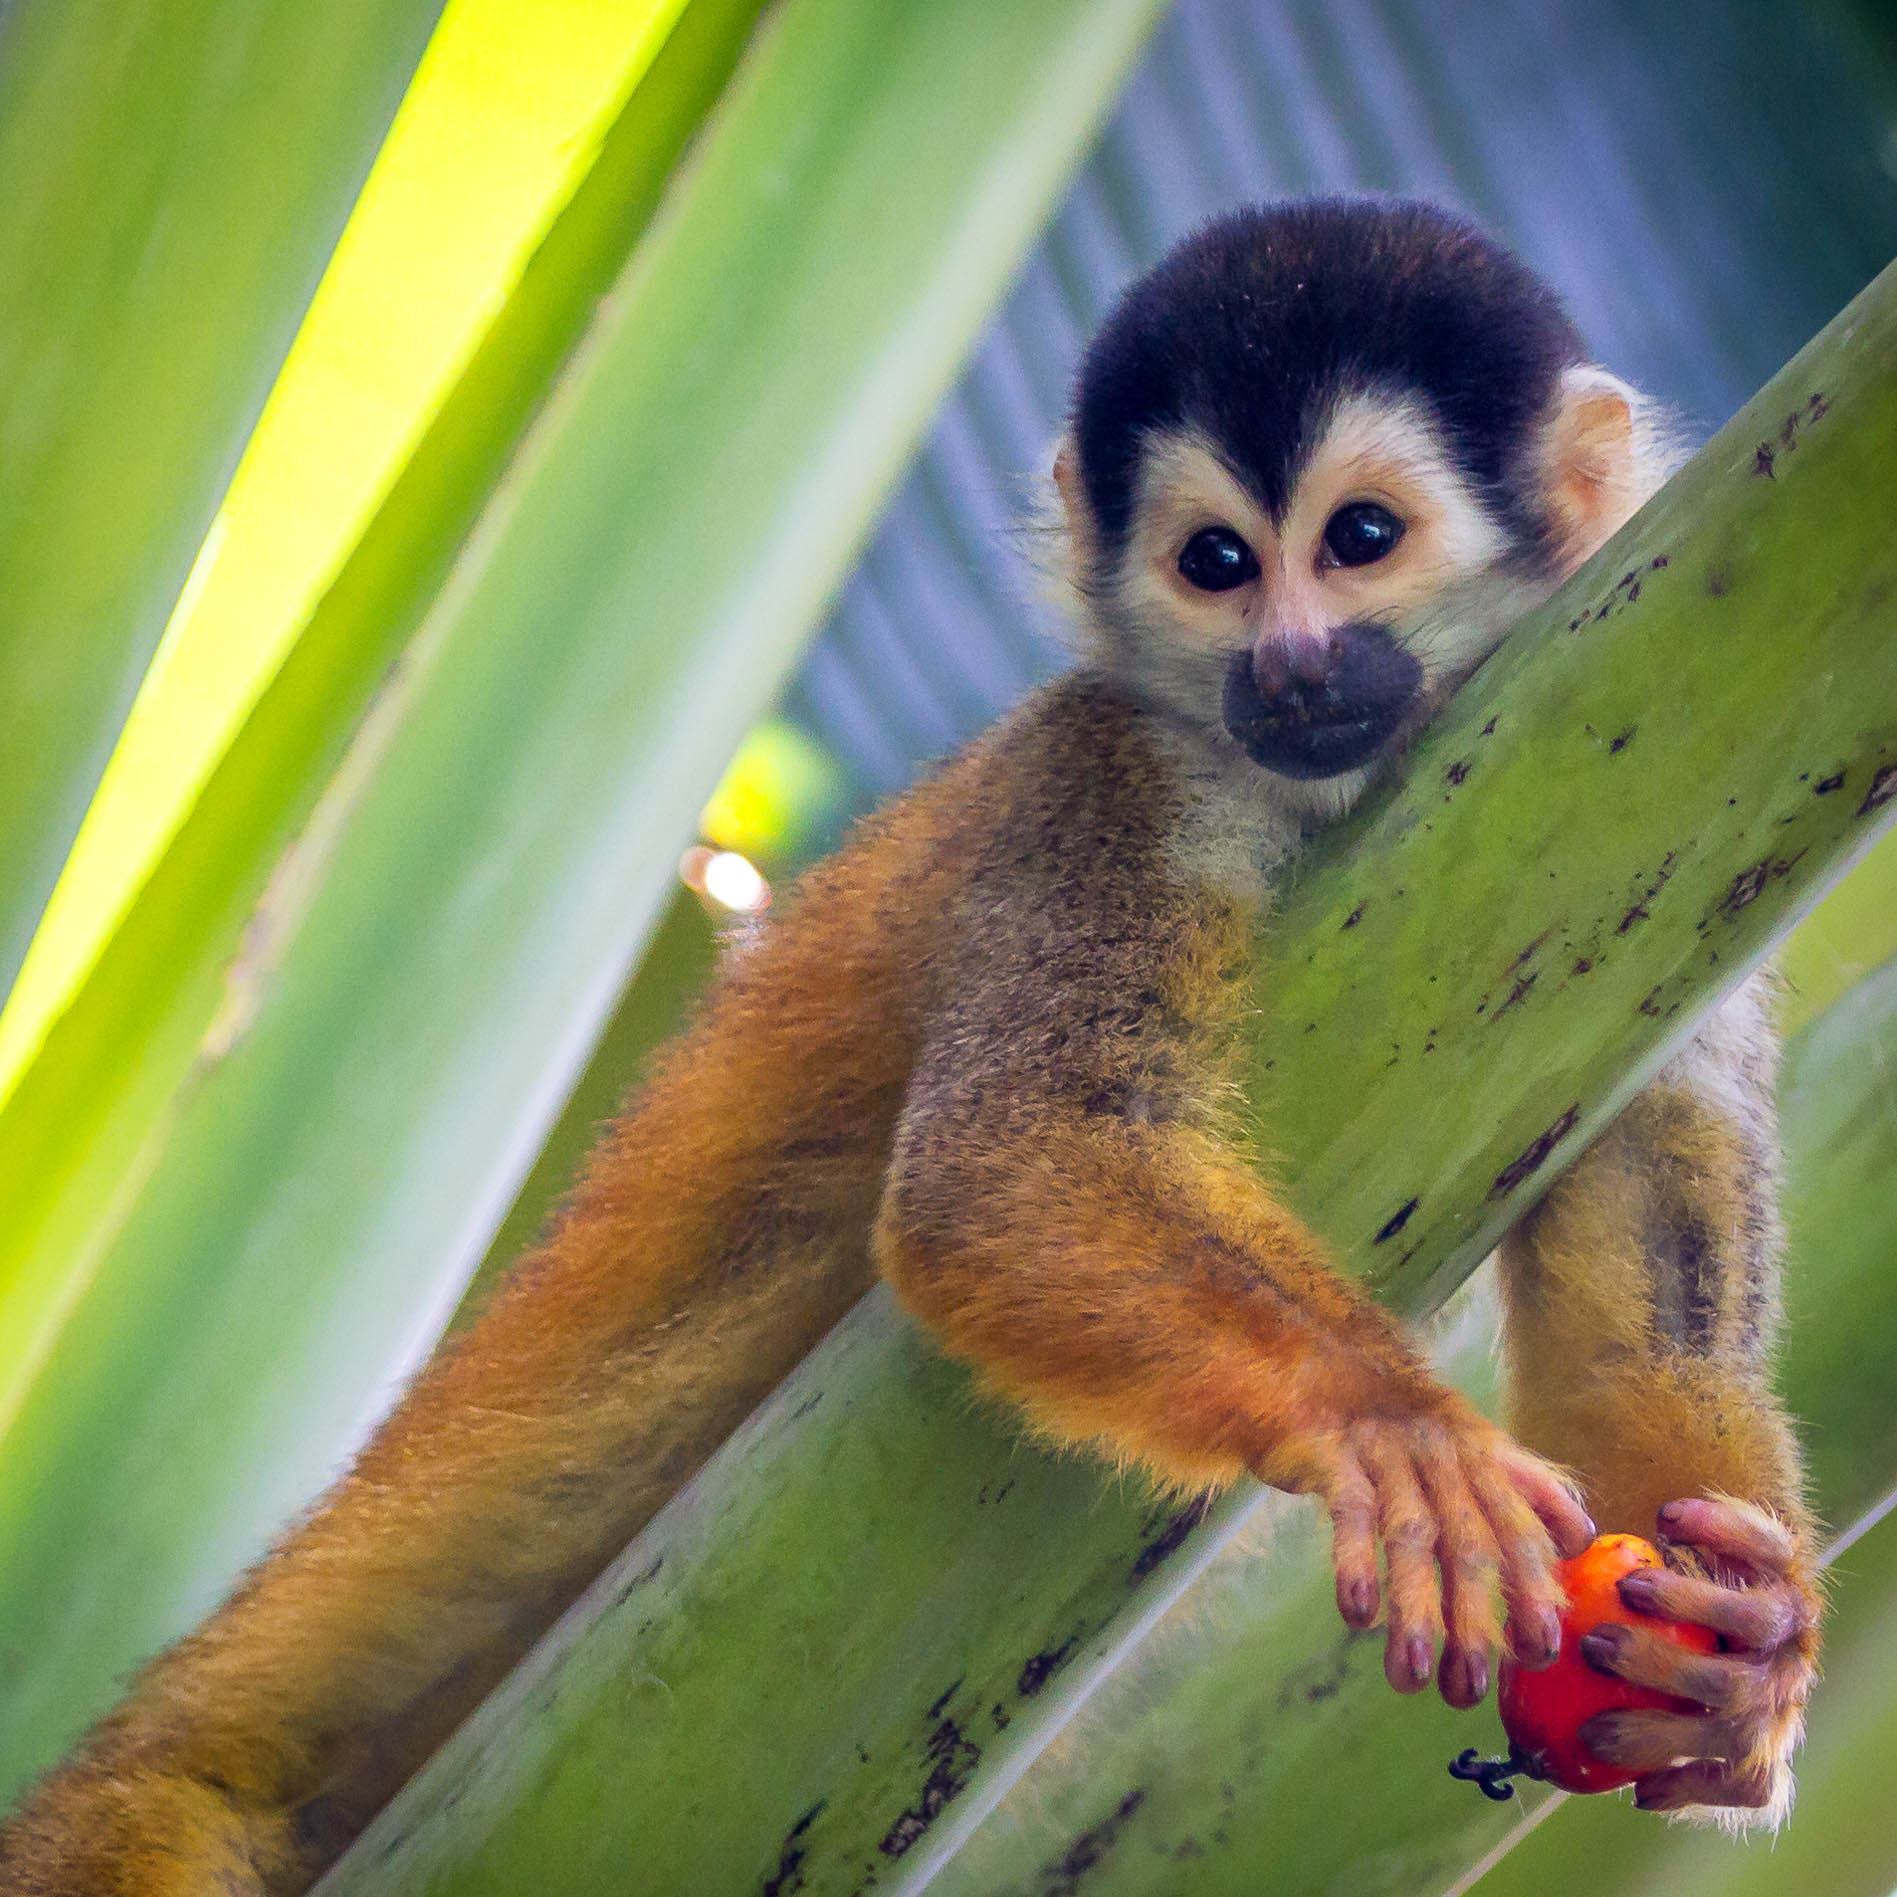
(1595, 1368)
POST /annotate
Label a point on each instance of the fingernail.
(1645, 1800)
(1637, 1589)
(1451, 1676)
(1421, 1656)
(1476, 1677)
(1599, 1647)
(1358, 1600)
(1672, 1514)
(1548, 1635)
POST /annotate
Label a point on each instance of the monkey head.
(1319, 458)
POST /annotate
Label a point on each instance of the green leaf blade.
(155, 276)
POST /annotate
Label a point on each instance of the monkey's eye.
(1362, 532)
(1215, 560)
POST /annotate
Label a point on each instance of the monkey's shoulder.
(1061, 850)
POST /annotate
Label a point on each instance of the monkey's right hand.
(1459, 1507)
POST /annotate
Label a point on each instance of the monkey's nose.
(1284, 661)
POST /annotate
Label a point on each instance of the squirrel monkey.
(1318, 460)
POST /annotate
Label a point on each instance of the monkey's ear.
(1591, 466)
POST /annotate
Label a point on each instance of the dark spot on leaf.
(1762, 461)
(1527, 954)
(1518, 993)
(1355, 916)
(646, 1575)
(1043, 1666)
(1745, 888)
(1651, 1006)
(1817, 408)
(1826, 785)
(1638, 913)
(1718, 582)
(1531, 1160)
(1748, 884)
(1657, 562)
(1620, 743)
(1488, 730)
(788, 1877)
(1062, 1877)
(1457, 771)
(1170, 1537)
(1324, 1677)
(1883, 789)
(1582, 966)
(1395, 1222)
(953, 1757)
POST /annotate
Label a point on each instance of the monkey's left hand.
(1741, 1572)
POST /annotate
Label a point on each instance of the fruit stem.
(1493, 1774)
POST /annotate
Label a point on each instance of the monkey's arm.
(1642, 1304)
(1070, 1210)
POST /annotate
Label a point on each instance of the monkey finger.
(1552, 1497)
(1735, 1530)
(1466, 1553)
(1648, 1740)
(1712, 1680)
(1352, 1500)
(1704, 1782)
(1754, 1619)
(1408, 1532)
(1530, 1592)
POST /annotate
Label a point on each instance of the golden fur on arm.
(1066, 1204)
(1072, 1207)
(1642, 1305)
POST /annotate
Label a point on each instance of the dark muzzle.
(1336, 722)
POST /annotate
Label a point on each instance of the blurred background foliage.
(340, 756)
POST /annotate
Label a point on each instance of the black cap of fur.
(1248, 329)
